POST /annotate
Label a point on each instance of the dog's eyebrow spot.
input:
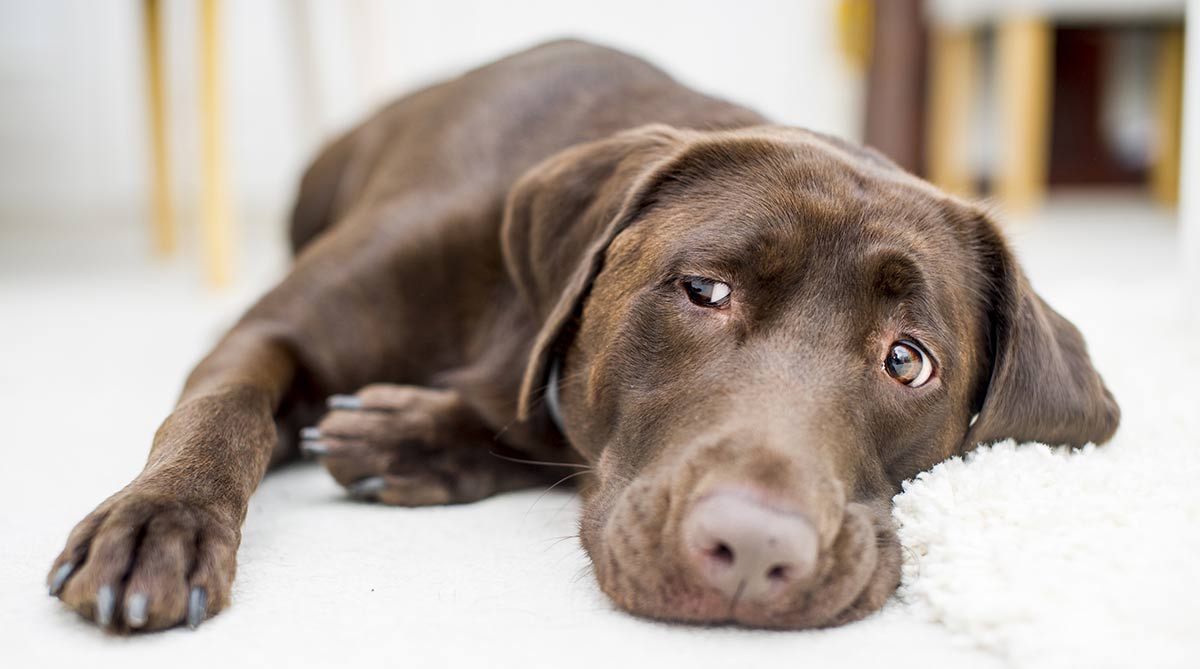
(893, 272)
(767, 247)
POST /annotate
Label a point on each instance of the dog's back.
(474, 135)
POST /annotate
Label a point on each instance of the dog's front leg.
(163, 550)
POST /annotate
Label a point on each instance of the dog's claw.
(314, 449)
(60, 578)
(310, 433)
(197, 607)
(367, 488)
(136, 614)
(106, 604)
(348, 402)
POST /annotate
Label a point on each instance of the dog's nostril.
(722, 554)
(779, 572)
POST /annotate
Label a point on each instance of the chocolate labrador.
(745, 335)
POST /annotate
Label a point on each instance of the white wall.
(72, 125)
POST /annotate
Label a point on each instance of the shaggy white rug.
(1017, 556)
(1117, 587)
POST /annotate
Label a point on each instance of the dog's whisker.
(567, 554)
(545, 492)
(499, 433)
(562, 537)
(559, 540)
(583, 571)
(545, 463)
(564, 505)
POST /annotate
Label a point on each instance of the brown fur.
(543, 208)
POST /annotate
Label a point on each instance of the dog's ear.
(1042, 386)
(560, 218)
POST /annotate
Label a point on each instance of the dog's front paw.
(404, 445)
(144, 560)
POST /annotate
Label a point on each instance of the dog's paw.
(403, 445)
(145, 561)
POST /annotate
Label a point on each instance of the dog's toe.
(367, 489)
(344, 403)
(310, 433)
(408, 490)
(137, 610)
(59, 577)
(311, 446)
(197, 609)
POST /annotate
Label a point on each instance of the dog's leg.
(162, 550)
(413, 446)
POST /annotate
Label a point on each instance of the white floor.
(95, 341)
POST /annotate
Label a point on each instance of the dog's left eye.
(909, 364)
(706, 292)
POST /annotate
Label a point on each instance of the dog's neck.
(552, 395)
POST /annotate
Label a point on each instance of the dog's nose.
(747, 550)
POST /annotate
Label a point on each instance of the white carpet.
(1017, 557)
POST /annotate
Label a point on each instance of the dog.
(745, 336)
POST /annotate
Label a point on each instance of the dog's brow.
(729, 253)
(894, 272)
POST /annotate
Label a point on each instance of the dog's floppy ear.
(1042, 385)
(559, 220)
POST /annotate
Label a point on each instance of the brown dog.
(752, 334)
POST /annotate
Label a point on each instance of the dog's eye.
(907, 363)
(706, 292)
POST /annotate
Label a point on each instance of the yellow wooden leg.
(952, 89)
(162, 213)
(1164, 171)
(1025, 60)
(856, 23)
(215, 218)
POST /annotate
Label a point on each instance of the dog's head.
(760, 334)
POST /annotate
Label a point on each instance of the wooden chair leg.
(215, 217)
(952, 88)
(1189, 200)
(1025, 61)
(1164, 171)
(162, 214)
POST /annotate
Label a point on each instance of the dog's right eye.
(907, 363)
(707, 292)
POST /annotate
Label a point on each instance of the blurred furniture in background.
(215, 218)
(895, 108)
(1164, 177)
(162, 221)
(1076, 92)
(1189, 204)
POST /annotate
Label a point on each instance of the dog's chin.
(634, 540)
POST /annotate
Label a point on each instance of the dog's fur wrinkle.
(545, 210)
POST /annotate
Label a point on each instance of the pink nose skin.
(747, 550)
